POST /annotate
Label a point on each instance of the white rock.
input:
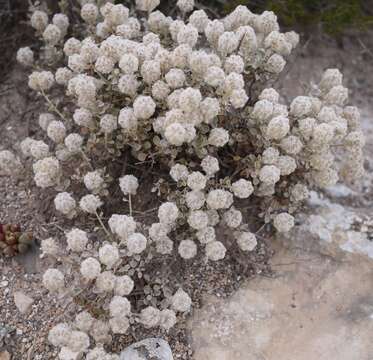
(152, 348)
(23, 302)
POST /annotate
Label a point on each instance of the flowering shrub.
(192, 99)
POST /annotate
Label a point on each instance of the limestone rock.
(23, 302)
(148, 349)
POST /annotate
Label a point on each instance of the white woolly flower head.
(150, 317)
(122, 226)
(93, 181)
(90, 268)
(179, 172)
(136, 243)
(181, 301)
(76, 240)
(25, 56)
(128, 184)
(283, 222)
(105, 281)
(246, 241)
(187, 249)
(54, 280)
(215, 250)
(219, 199)
(168, 213)
(90, 203)
(108, 255)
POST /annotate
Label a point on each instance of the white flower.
(168, 213)
(269, 174)
(199, 20)
(196, 180)
(286, 164)
(108, 255)
(218, 137)
(119, 325)
(238, 98)
(190, 99)
(90, 203)
(84, 321)
(233, 218)
(283, 222)
(77, 240)
(119, 306)
(188, 35)
(73, 142)
(246, 241)
(39, 20)
(175, 134)
(89, 13)
(52, 34)
(185, 5)
(275, 64)
(128, 184)
(179, 172)
(25, 56)
(49, 247)
(150, 317)
(129, 64)
(198, 219)
(123, 285)
(219, 199)
(105, 281)
(90, 268)
(104, 64)
(215, 251)
(56, 131)
(270, 94)
(147, 5)
(72, 46)
(263, 109)
(127, 120)
(214, 76)
(228, 42)
(167, 319)
(54, 280)
(136, 243)
(270, 156)
(83, 117)
(175, 78)
(122, 226)
(41, 81)
(144, 107)
(128, 85)
(291, 145)
(59, 334)
(206, 235)
(242, 188)
(301, 106)
(187, 249)
(39, 149)
(181, 301)
(278, 127)
(195, 199)
(93, 181)
(78, 341)
(150, 71)
(330, 78)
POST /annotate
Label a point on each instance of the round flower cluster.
(150, 94)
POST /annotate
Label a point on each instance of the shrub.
(194, 100)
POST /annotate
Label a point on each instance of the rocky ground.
(316, 305)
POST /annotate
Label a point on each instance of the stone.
(23, 302)
(4, 355)
(148, 349)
